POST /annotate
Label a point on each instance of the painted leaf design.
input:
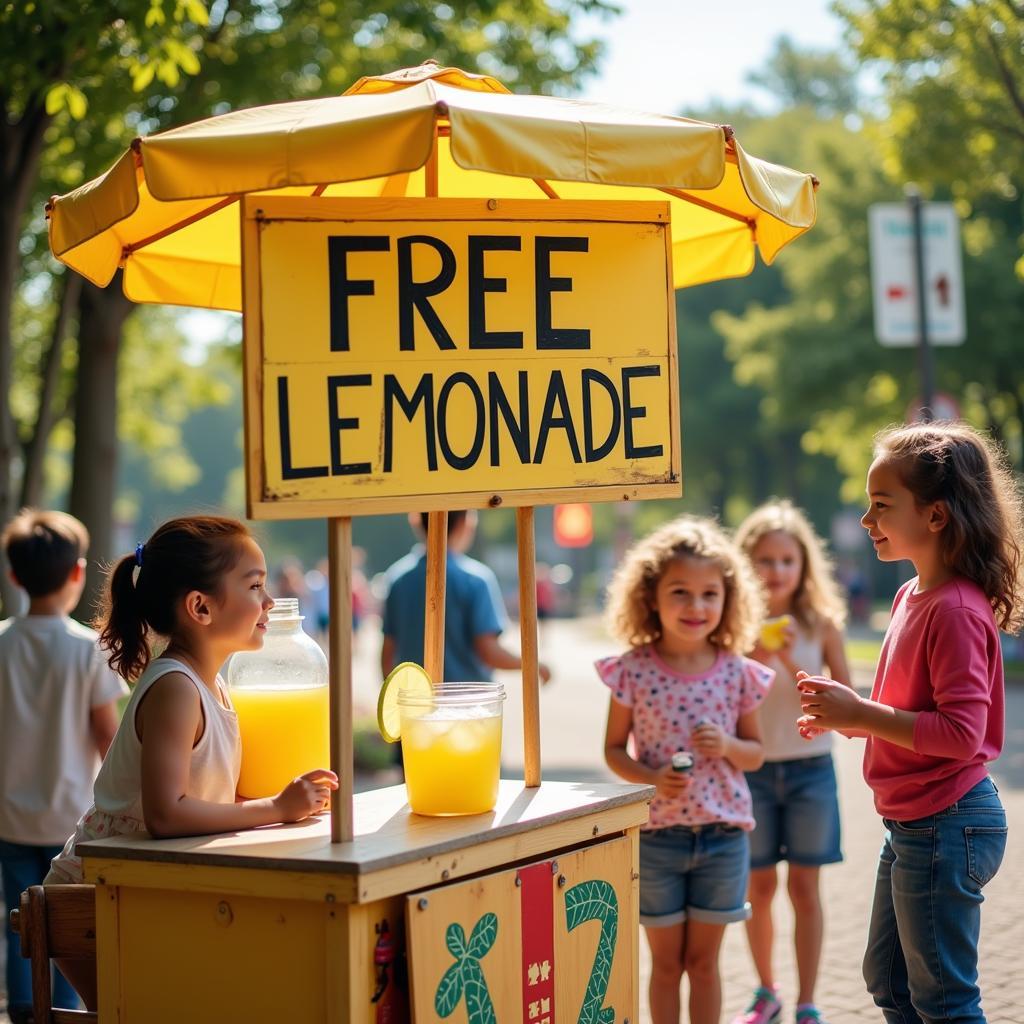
(455, 940)
(590, 901)
(479, 1008)
(485, 931)
(449, 992)
(595, 901)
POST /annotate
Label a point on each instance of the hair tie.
(138, 553)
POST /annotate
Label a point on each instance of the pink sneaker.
(764, 1008)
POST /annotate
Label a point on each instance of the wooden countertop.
(525, 823)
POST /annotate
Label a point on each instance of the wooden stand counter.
(279, 924)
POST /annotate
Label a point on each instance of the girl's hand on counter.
(308, 794)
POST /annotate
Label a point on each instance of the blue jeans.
(23, 866)
(921, 963)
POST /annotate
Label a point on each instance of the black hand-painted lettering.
(339, 285)
(468, 460)
(632, 412)
(548, 421)
(595, 452)
(416, 294)
(518, 431)
(338, 423)
(549, 337)
(424, 394)
(480, 285)
(288, 471)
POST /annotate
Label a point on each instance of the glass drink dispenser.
(281, 697)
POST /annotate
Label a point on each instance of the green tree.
(820, 80)
(50, 55)
(954, 88)
(243, 54)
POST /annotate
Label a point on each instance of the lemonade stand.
(453, 297)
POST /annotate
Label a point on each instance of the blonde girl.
(172, 770)
(939, 495)
(794, 791)
(686, 604)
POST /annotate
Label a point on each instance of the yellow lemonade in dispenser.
(451, 746)
(285, 733)
(280, 695)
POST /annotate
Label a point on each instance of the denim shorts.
(797, 813)
(698, 873)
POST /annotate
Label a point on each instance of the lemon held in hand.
(408, 676)
(773, 632)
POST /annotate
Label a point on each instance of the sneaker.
(809, 1015)
(764, 1008)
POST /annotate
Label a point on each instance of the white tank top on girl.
(781, 707)
(117, 810)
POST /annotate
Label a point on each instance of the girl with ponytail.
(197, 587)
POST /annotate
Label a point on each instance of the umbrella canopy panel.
(168, 210)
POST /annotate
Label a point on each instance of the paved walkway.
(573, 709)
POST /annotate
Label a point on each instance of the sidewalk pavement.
(573, 710)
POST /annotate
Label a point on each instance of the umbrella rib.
(687, 198)
(127, 250)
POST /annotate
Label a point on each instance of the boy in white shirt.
(58, 715)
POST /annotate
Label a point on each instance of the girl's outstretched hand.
(670, 783)
(807, 727)
(306, 795)
(827, 704)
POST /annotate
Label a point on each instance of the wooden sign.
(435, 353)
(569, 925)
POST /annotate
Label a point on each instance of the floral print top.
(667, 707)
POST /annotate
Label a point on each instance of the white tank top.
(213, 768)
(781, 708)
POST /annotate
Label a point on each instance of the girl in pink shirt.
(687, 604)
(940, 495)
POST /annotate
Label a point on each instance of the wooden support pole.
(437, 565)
(339, 555)
(528, 639)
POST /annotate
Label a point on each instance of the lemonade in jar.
(451, 746)
(280, 694)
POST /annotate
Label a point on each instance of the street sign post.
(893, 274)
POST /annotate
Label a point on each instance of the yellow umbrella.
(167, 210)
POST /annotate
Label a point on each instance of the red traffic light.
(574, 525)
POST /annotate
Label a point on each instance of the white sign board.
(892, 274)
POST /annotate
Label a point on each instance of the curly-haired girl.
(687, 603)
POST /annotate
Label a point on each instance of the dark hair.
(455, 519)
(43, 548)
(951, 462)
(191, 553)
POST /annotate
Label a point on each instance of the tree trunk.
(33, 476)
(94, 467)
(21, 144)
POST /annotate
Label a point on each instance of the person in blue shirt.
(474, 613)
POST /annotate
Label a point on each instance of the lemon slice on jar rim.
(409, 677)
